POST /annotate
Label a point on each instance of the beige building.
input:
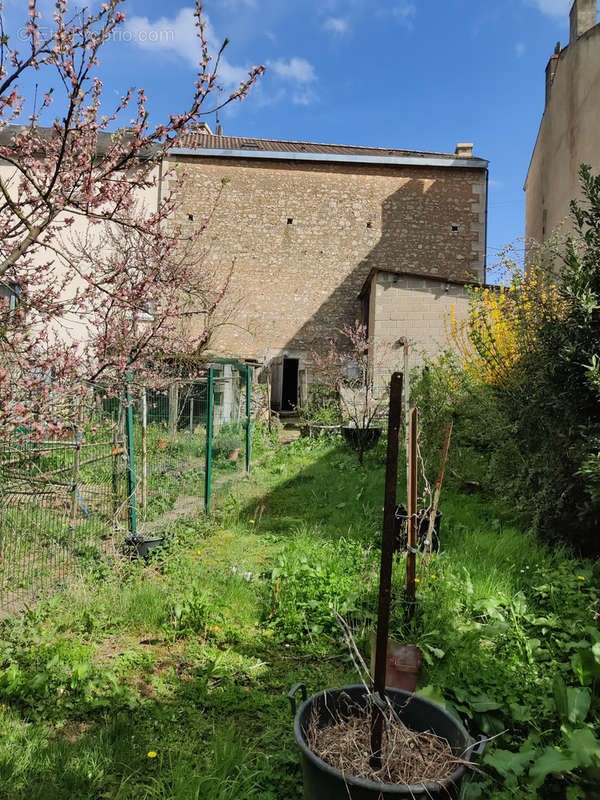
(321, 235)
(569, 133)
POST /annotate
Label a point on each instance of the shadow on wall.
(425, 229)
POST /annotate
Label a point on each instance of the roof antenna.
(218, 126)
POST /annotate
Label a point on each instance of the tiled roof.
(207, 141)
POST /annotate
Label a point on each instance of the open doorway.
(289, 387)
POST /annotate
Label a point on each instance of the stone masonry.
(304, 237)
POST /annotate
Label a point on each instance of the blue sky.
(416, 74)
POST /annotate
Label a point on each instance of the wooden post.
(76, 460)
(173, 408)
(411, 558)
(387, 558)
(191, 414)
(144, 451)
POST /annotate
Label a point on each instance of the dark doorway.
(289, 389)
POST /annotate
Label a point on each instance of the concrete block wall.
(416, 309)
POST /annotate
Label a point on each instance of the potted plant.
(322, 413)
(360, 383)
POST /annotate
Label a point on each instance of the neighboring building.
(322, 233)
(569, 133)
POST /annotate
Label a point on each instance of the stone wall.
(568, 135)
(304, 236)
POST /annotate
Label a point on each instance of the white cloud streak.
(296, 69)
(339, 26)
(553, 8)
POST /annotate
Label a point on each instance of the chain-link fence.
(119, 479)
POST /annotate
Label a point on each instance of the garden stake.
(131, 506)
(411, 556)
(144, 452)
(385, 575)
(438, 489)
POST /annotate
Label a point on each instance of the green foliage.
(312, 577)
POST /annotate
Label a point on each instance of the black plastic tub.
(324, 782)
(144, 545)
(361, 438)
(423, 517)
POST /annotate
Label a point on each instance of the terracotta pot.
(403, 665)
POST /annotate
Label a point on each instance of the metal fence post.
(131, 506)
(144, 451)
(209, 436)
(248, 429)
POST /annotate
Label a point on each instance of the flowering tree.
(128, 260)
(359, 375)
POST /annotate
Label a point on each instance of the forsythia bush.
(524, 384)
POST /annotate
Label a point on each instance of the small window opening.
(454, 228)
(191, 217)
(369, 224)
(289, 220)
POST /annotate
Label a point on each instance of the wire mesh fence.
(121, 477)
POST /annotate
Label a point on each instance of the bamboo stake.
(144, 451)
(387, 557)
(438, 489)
(411, 558)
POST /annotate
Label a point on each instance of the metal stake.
(387, 556)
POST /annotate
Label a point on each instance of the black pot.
(324, 782)
(145, 545)
(423, 517)
(361, 438)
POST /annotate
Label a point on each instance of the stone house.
(568, 133)
(321, 235)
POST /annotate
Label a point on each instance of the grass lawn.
(169, 680)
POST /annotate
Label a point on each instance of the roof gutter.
(412, 161)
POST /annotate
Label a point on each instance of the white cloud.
(554, 8)
(403, 11)
(177, 35)
(296, 69)
(520, 49)
(337, 25)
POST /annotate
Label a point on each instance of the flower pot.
(361, 438)
(235, 454)
(144, 545)
(324, 782)
(403, 664)
(315, 430)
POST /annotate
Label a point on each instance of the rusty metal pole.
(385, 576)
(411, 558)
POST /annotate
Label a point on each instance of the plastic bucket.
(324, 782)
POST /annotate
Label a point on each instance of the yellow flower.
(434, 577)
(251, 522)
(152, 754)
(580, 578)
(417, 580)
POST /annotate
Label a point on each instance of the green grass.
(191, 656)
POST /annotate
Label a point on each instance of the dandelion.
(434, 577)
(580, 578)
(417, 580)
(198, 552)
(152, 754)
(251, 522)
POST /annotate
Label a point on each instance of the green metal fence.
(127, 473)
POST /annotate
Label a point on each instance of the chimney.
(584, 15)
(464, 149)
(551, 68)
(200, 127)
